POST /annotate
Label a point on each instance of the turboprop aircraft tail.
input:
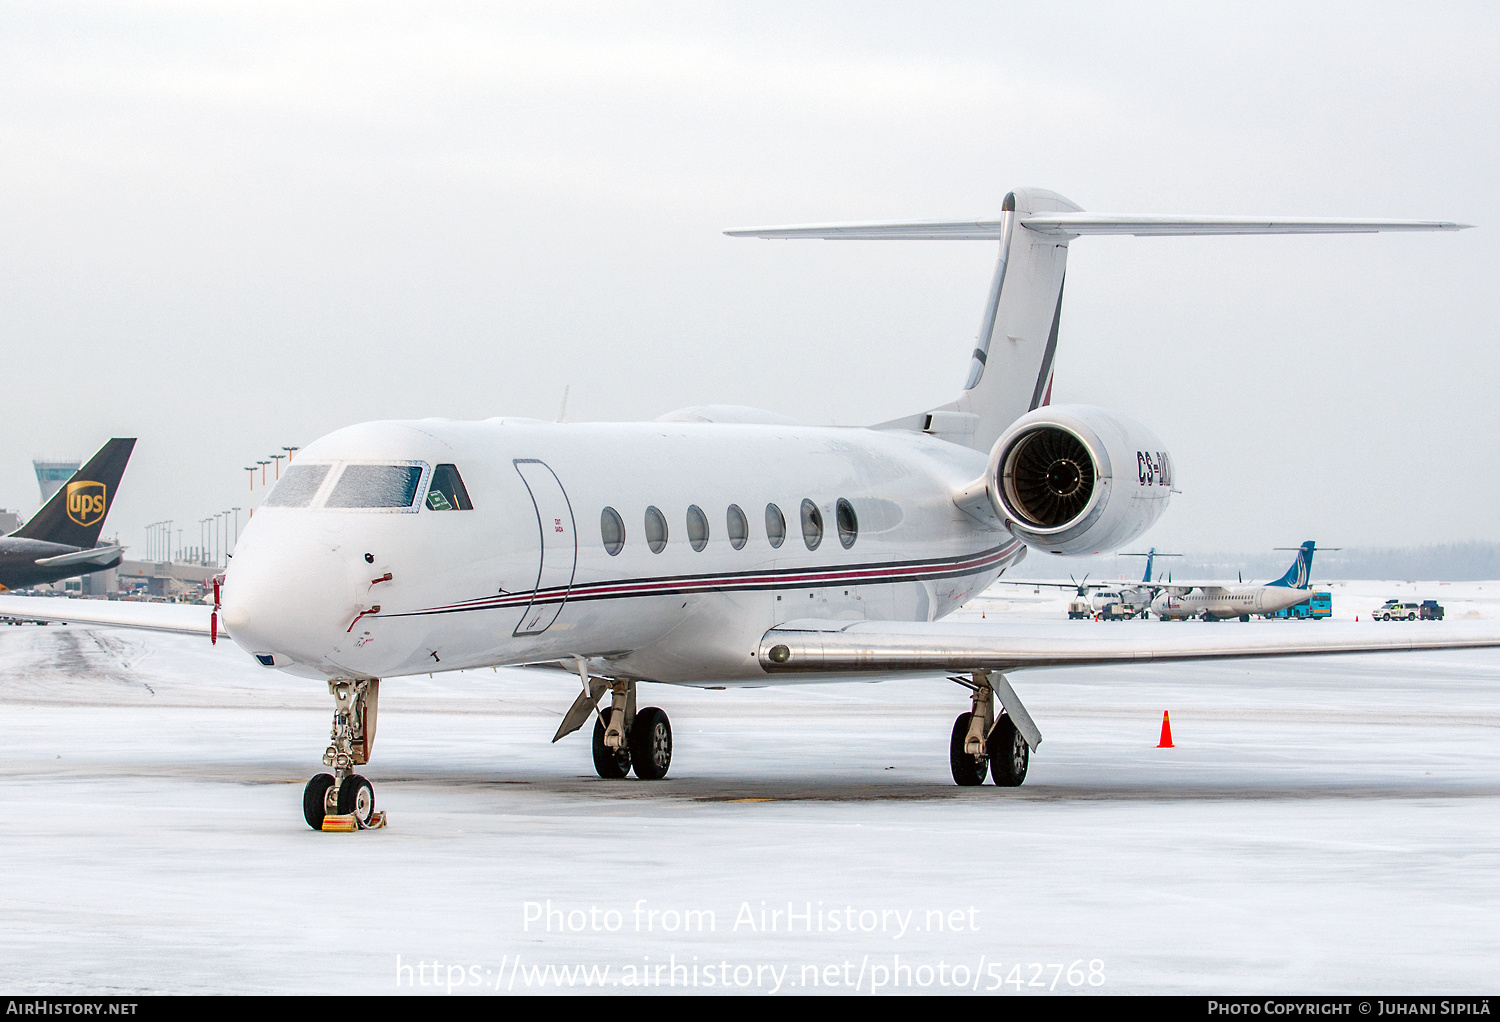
(76, 512)
(1297, 575)
(1011, 365)
(1150, 556)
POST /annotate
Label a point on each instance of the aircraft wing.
(103, 556)
(182, 618)
(1060, 585)
(850, 647)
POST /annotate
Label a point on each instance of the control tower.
(50, 475)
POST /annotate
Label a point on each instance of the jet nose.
(287, 591)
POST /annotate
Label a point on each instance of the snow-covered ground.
(1324, 824)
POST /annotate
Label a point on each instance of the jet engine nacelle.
(1076, 479)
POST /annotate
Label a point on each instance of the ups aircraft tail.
(1010, 369)
(76, 512)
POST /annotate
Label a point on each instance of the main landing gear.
(982, 744)
(343, 800)
(625, 738)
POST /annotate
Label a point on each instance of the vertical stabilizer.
(76, 512)
(1297, 575)
(1010, 370)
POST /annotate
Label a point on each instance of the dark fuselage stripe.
(792, 578)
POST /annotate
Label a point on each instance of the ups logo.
(86, 502)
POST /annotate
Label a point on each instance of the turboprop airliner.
(721, 546)
(1095, 597)
(1221, 602)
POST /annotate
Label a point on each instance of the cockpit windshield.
(298, 485)
(376, 486)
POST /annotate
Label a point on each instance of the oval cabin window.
(738, 525)
(775, 526)
(656, 530)
(697, 526)
(612, 530)
(812, 525)
(848, 523)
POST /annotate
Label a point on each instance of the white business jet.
(1219, 602)
(722, 545)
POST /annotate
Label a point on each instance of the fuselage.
(1227, 601)
(19, 567)
(719, 532)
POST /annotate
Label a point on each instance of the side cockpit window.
(447, 491)
(298, 485)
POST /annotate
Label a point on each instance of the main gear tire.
(968, 770)
(610, 764)
(1009, 754)
(650, 741)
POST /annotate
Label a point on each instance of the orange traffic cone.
(1166, 732)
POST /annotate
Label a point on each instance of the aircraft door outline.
(558, 555)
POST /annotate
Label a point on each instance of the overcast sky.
(228, 228)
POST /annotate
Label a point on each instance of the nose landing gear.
(343, 800)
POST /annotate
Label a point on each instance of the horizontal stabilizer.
(102, 556)
(1064, 224)
(1067, 225)
(894, 230)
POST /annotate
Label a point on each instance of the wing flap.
(893, 646)
(181, 618)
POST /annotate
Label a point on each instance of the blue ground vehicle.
(1318, 605)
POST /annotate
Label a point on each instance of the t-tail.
(1297, 575)
(1150, 555)
(75, 514)
(1011, 364)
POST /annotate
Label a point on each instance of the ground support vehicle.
(1395, 610)
(1315, 607)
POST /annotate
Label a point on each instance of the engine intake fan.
(1049, 477)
